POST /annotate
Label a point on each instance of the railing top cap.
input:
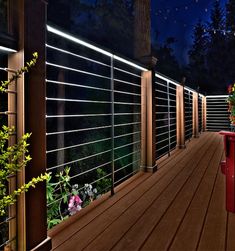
(93, 47)
(217, 96)
(170, 80)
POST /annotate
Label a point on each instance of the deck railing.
(93, 113)
(165, 98)
(188, 113)
(200, 113)
(217, 113)
(108, 118)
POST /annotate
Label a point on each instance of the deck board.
(176, 213)
(197, 210)
(180, 207)
(216, 219)
(145, 225)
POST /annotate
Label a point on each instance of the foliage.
(212, 56)
(18, 73)
(197, 56)
(230, 16)
(14, 158)
(103, 183)
(57, 193)
(231, 102)
(167, 62)
(64, 200)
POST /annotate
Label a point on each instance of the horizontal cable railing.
(217, 116)
(188, 113)
(94, 101)
(93, 118)
(200, 113)
(165, 98)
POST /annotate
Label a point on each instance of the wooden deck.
(180, 207)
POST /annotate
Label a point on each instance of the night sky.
(174, 18)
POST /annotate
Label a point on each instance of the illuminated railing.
(93, 113)
(165, 95)
(200, 113)
(94, 101)
(188, 113)
(217, 115)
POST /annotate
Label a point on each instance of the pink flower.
(77, 199)
(74, 205)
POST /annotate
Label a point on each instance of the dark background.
(190, 38)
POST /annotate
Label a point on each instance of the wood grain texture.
(180, 207)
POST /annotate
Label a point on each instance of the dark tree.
(197, 71)
(230, 16)
(216, 55)
(230, 26)
(167, 63)
(109, 23)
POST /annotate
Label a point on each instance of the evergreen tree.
(230, 16)
(217, 20)
(167, 63)
(230, 26)
(216, 56)
(197, 57)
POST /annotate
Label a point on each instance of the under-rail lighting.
(77, 40)
(129, 63)
(166, 79)
(6, 49)
(217, 96)
(92, 47)
(189, 89)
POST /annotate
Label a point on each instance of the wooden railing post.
(148, 142)
(180, 120)
(35, 122)
(204, 113)
(29, 26)
(195, 115)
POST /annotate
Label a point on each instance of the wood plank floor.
(180, 207)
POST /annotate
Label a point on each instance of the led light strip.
(217, 96)
(166, 79)
(129, 63)
(76, 40)
(92, 47)
(189, 89)
(6, 49)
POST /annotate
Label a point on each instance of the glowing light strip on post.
(6, 49)
(92, 47)
(189, 89)
(129, 63)
(167, 79)
(217, 96)
(77, 40)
